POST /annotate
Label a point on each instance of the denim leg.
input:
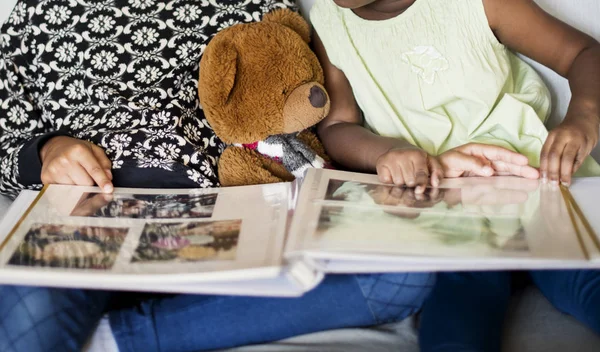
(393, 297)
(575, 292)
(465, 312)
(214, 322)
(37, 319)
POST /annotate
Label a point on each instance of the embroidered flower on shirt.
(188, 13)
(141, 4)
(76, 90)
(226, 24)
(104, 60)
(102, 24)
(147, 74)
(17, 115)
(66, 52)
(425, 61)
(18, 15)
(57, 14)
(145, 36)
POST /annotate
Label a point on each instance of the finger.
(581, 155)
(493, 152)
(436, 171)
(79, 176)
(104, 161)
(567, 163)
(407, 170)
(384, 174)
(504, 169)
(473, 165)
(544, 156)
(554, 157)
(397, 175)
(96, 171)
(421, 168)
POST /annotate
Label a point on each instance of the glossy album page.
(469, 223)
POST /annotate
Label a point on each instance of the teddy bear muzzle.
(304, 107)
(317, 97)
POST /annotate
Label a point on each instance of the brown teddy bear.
(261, 89)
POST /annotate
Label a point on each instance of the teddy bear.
(261, 90)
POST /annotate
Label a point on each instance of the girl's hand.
(524, 27)
(409, 166)
(71, 161)
(412, 167)
(485, 160)
(566, 148)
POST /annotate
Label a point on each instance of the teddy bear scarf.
(289, 151)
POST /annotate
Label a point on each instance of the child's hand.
(411, 167)
(485, 160)
(566, 148)
(71, 161)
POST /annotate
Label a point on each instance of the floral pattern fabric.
(122, 74)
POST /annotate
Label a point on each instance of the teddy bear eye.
(284, 92)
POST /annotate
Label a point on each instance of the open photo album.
(281, 239)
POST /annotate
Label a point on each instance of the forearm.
(355, 147)
(584, 79)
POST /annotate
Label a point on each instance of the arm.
(342, 132)
(353, 146)
(524, 27)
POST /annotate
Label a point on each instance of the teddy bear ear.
(290, 19)
(218, 68)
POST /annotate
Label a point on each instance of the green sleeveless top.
(437, 77)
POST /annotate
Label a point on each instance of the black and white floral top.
(122, 74)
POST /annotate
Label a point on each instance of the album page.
(466, 223)
(149, 237)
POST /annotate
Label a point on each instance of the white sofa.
(533, 324)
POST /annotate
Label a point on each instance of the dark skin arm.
(350, 144)
(525, 28)
(343, 125)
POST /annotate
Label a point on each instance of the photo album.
(281, 239)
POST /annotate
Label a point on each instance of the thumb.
(460, 164)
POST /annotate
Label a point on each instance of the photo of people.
(145, 206)
(444, 230)
(66, 246)
(188, 241)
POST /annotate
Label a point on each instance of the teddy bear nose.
(317, 97)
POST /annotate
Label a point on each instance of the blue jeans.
(43, 319)
(465, 312)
